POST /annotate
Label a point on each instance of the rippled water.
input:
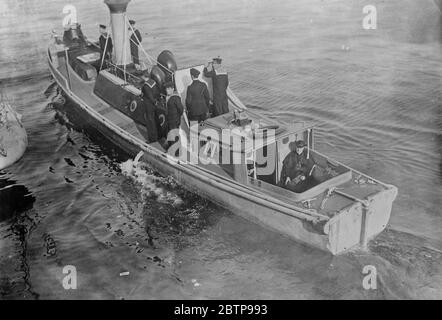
(376, 96)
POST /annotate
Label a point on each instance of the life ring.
(133, 106)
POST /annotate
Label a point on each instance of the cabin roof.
(281, 130)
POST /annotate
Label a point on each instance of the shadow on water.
(16, 226)
(14, 199)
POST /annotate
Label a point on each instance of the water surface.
(375, 95)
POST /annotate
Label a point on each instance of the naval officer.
(220, 81)
(297, 168)
(135, 41)
(105, 49)
(174, 106)
(197, 99)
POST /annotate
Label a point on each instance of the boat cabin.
(257, 151)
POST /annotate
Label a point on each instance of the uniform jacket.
(150, 91)
(220, 82)
(197, 100)
(295, 165)
(174, 111)
(109, 47)
(135, 41)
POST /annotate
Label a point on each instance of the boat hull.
(348, 229)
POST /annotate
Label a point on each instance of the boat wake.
(151, 184)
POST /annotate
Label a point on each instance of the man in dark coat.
(135, 41)
(297, 169)
(174, 107)
(161, 118)
(197, 99)
(220, 81)
(105, 49)
(150, 90)
(150, 95)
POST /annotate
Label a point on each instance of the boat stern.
(355, 225)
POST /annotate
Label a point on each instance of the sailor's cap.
(217, 60)
(102, 26)
(194, 72)
(300, 144)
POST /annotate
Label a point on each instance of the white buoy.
(13, 137)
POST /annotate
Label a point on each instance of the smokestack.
(120, 33)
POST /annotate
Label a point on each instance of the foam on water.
(151, 185)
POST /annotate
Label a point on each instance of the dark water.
(376, 96)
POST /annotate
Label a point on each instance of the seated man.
(149, 96)
(296, 174)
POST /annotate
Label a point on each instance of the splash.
(152, 186)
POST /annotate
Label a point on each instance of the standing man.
(296, 174)
(150, 90)
(220, 80)
(197, 99)
(150, 93)
(174, 111)
(135, 41)
(174, 106)
(106, 45)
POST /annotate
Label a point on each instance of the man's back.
(174, 111)
(197, 100)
